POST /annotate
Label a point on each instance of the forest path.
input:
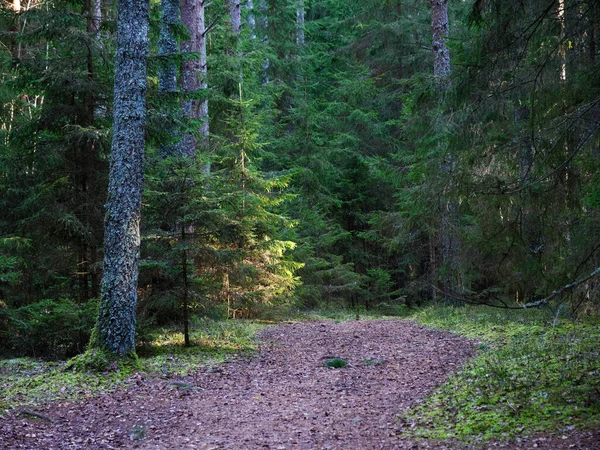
(284, 399)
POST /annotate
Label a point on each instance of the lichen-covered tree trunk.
(235, 9)
(167, 76)
(115, 328)
(193, 73)
(449, 206)
(167, 45)
(440, 28)
(300, 23)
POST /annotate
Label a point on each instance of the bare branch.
(560, 291)
(483, 299)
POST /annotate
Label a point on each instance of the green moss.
(528, 377)
(29, 382)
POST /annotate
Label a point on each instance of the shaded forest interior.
(298, 153)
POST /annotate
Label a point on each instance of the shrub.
(49, 328)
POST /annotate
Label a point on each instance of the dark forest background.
(337, 172)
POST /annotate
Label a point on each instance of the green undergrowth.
(212, 342)
(531, 375)
(347, 314)
(26, 382)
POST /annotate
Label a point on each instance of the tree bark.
(264, 24)
(251, 18)
(15, 29)
(449, 207)
(167, 45)
(522, 114)
(235, 9)
(193, 74)
(529, 230)
(185, 302)
(593, 29)
(86, 158)
(115, 328)
(167, 75)
(440, 28)
(300, 23)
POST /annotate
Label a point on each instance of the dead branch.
(482, 299)
(560, 291)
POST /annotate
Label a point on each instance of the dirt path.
(284, 399)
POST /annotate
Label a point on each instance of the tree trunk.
(15, 29)
(522, 114)
(264, 24)
(300, 23)
(167, 75)
(433, 267)
(593, 29)
(115, 329)
(95, 273)
(530, 233)
(88, 156)
(448, 207)
(440, 28)
(94, 17)
(235, 9)
(450, 244)
(185, 302)
(193, 74)
(167, 45)
(251, 19)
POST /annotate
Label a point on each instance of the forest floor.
(284, 398)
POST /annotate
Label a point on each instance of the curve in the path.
(284, 399)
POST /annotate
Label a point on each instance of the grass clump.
(335, 363)
(528, 377)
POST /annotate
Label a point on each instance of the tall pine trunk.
(167, 45)
(115, 328)
(449, 206)
(167, 76)
(251, 18)
(264, 25)
(235, 9)
(300, 23)
(193, 74)
(86, 159)
(440, 28)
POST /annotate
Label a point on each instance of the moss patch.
(30, 382)
(528, 377)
